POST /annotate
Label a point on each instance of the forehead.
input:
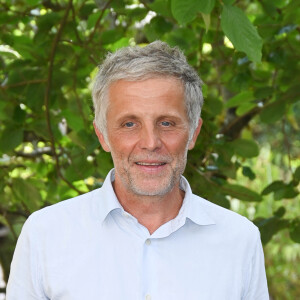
(151, 84)
(146, 96)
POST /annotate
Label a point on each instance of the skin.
(148, 137)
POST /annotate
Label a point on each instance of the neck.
(151, 211)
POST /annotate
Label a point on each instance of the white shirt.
(90, 248)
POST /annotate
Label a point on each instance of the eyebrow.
(127, 116)
(134, 117)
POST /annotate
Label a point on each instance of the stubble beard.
(165, 183)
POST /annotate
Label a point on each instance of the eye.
(166, 124)
(129, 124)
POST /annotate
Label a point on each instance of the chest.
(127, 266)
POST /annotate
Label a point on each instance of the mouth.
(150, 164)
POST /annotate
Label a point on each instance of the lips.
(150, 164)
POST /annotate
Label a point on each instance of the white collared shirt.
(89, 248)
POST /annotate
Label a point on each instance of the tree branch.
(47, 94)
(33, 81)
(98, 22)
(74, 27)
(35, 153)
(287, 143)
(234, 128)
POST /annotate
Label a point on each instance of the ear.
(195, 135)
(101, 139)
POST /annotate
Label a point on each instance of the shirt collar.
(108, 201)
(192, 206)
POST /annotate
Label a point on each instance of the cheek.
(121, 149)
(176, 143)
(121, 142)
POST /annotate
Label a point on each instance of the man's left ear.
(195, 135)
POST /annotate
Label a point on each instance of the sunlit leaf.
(240, 98)
(240, 31)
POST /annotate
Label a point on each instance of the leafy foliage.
(247, 54)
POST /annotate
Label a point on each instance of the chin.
(148, 189)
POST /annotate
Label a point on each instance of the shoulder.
(227, 222)
(74, 210)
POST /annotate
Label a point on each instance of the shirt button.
(148, 297)
(148, 242)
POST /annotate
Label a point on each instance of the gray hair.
(136, 63)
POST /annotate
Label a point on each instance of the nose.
(150, 138)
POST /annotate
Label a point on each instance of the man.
(143, 235)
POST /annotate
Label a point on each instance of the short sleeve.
(257, 288)
(24, 282)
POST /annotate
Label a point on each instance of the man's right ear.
(101, 139)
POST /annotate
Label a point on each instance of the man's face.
(148, 131)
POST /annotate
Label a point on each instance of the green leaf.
(79, 168)
(3, 104)
(73, 120)
(213, 106)
(19, 115)
(111, 36)
(281, 190)
(206, 6)
(295, 230)
(24, 46)
(11, 138)
(92, 19)
(33, 2)
(157, 28)
(287, 193)
(297, 174)
(183, 38)
(244, 108)
(273, 112)
(85, 140)
(228, 2)
(245, 148)
(240, 31)
(280, 212)
(104, 163)
(270, 226)
(26, 192)
(263, 92)
(240, 98)
(220, 199)
(272, 187)
(34, 94)
(123, 42)
(206, 19)
(47, 21)
(86, 10)
(161, 7)
(241, 192)
(186, 11)
(247, 171)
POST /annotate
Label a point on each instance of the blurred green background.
(247, 157)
